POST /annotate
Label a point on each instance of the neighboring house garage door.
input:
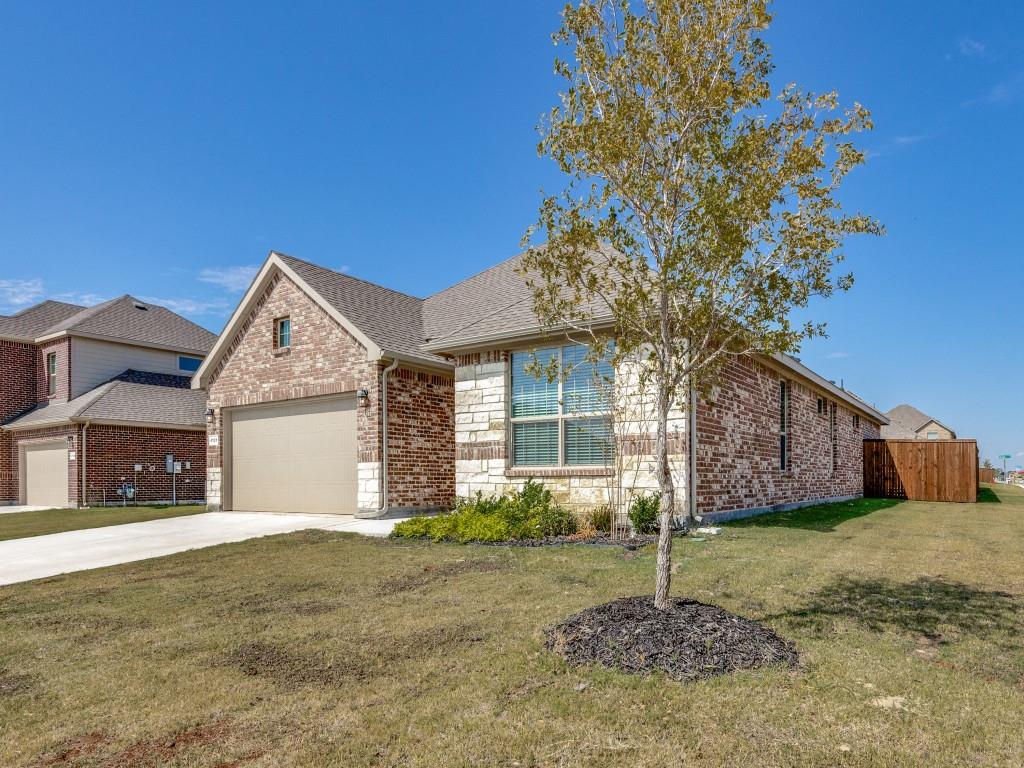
(298, 456)
(45, 471)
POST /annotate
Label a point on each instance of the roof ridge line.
(350, 277)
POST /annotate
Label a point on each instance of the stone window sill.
(541, 472)
(279, 351)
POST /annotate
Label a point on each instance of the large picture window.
(562, 422)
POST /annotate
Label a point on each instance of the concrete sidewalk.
(40, 556)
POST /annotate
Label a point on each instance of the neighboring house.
(90, 393)
(908, 423)
(332, 394)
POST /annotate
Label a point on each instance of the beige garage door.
(295, 457)
(45, 472)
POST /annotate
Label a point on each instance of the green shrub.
(530, 513)
(600, 519)
(643, 513)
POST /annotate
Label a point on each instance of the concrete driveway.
(41, 556)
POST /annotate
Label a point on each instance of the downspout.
(84, 501)
(382, 509)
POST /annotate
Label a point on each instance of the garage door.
(295, 457)
(45, 469)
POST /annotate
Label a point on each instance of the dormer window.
(51, 374)
(282, 333)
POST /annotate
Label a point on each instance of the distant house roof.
(124, 319)
(130, 398)
(906, 421)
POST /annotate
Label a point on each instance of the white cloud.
(837, 355)
(972, 48)
(1008, 91)
(235, 278)
(82, 299)
(906, 141)
(1020, 453)
(191, 306)
(18, 294)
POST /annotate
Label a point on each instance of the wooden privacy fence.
(921, 470)
(987, 475)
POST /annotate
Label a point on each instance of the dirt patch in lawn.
(12, 684)
(431, 574)
(78, 747)
(688, 641)
(147, 752)
(261, 659)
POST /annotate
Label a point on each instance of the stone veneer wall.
(738, 462)
(481, 444)
(737, 453)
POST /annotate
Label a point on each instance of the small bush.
(643, 513)
(600, 519)
(530, 513)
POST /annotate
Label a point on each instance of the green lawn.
(322, 649)
(18, 525)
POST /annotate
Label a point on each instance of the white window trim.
(560, 417)
(276, 342)
(51, 376)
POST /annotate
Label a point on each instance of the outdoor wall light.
(362, 395)
(209, 415)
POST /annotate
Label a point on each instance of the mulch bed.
(689, 641)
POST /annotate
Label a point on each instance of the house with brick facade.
(908, 423)
(95, 398)
(331, 394)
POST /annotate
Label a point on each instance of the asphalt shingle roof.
(905, 420)
(392, 320)
(124, 399)
(125, 319)
(30, 323)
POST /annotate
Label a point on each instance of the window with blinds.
(558, 423)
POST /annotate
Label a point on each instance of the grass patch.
(319, 648)
(20, 525)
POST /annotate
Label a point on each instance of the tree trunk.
(668, 504)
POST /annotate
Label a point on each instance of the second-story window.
(282, 333)
(51, 374)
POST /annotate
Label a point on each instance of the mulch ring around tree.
(688, 641)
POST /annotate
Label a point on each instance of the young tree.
(698, 213)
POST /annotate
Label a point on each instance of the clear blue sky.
(161, 149)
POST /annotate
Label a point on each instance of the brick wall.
(113, 451)
(324, 359)
(17, 395)
(421, 439)
(738, 454)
